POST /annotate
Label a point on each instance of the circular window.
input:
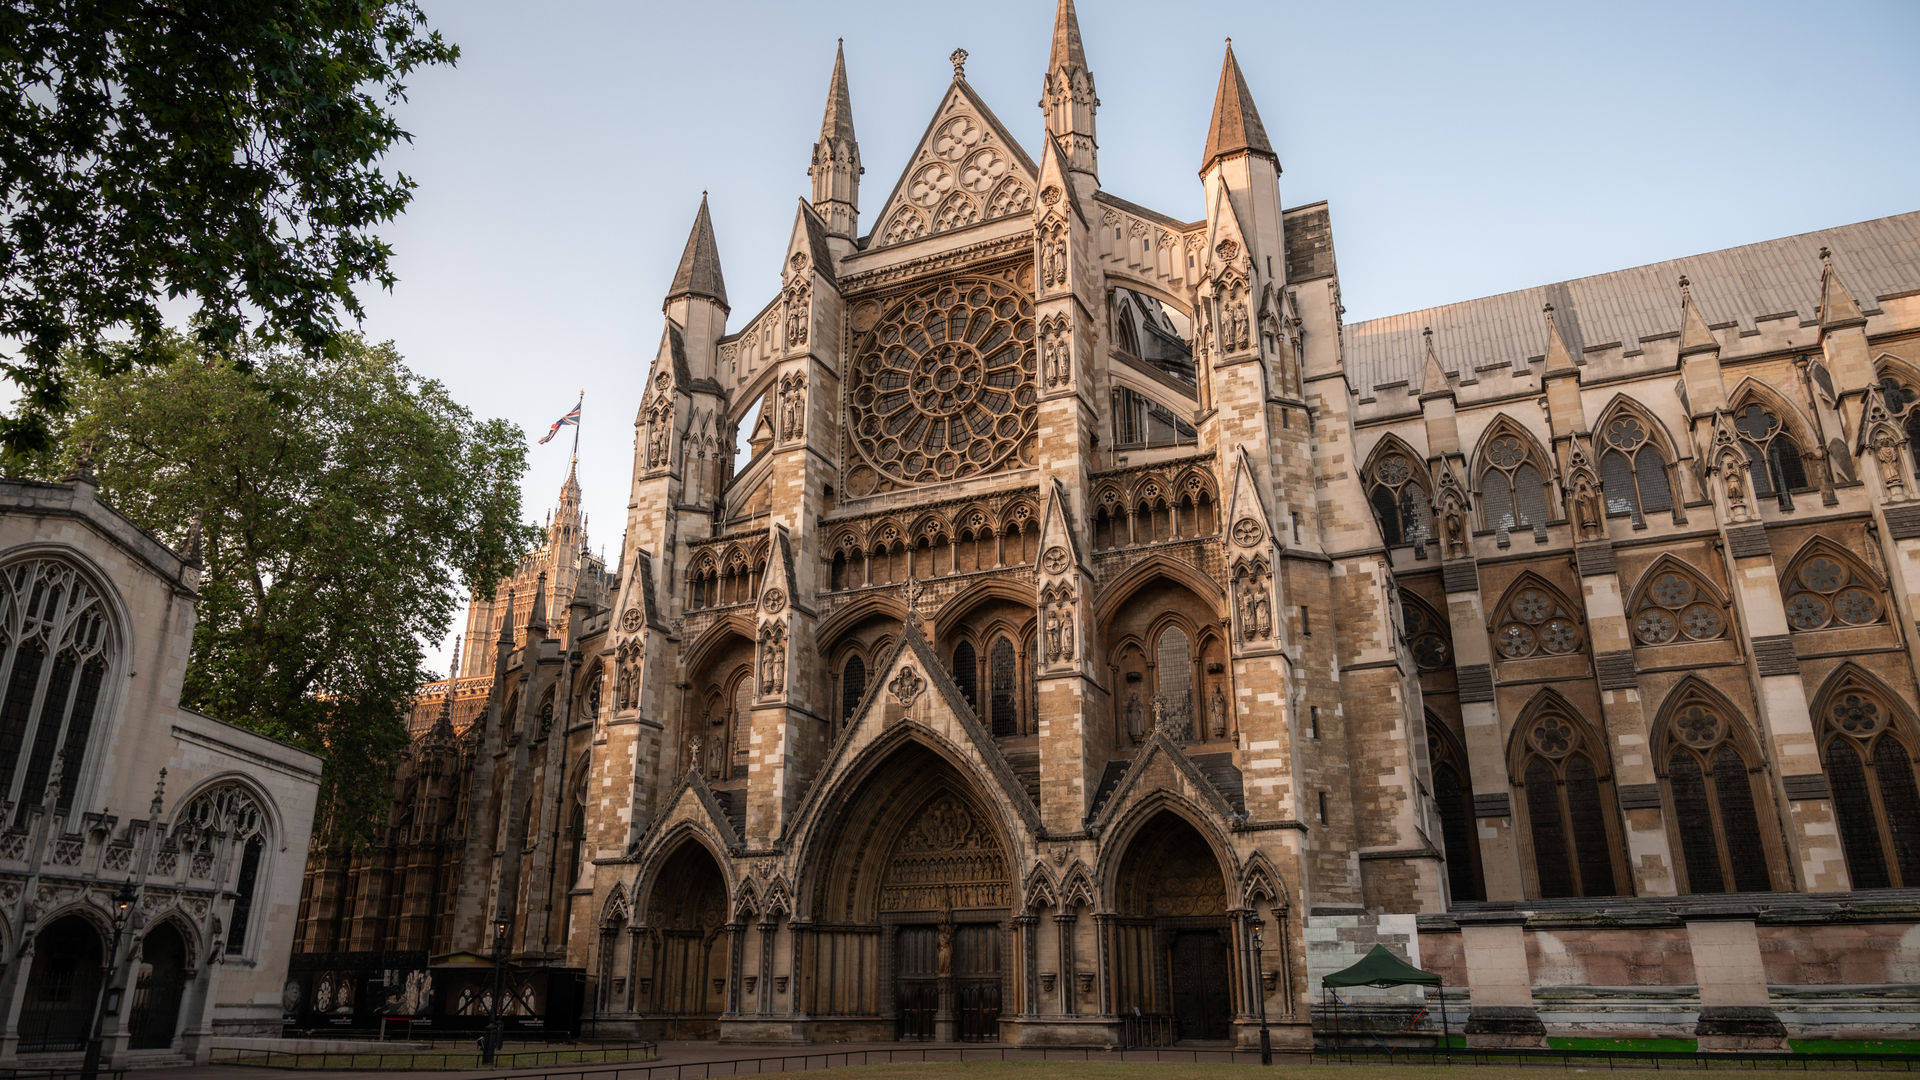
(944, 389)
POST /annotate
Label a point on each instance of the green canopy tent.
(1381, 968)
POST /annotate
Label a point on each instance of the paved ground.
(724, 1061)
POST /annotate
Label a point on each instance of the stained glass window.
(1536, 622)
(1566, 812)
(1824, 589)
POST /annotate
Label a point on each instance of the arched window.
(55, 651)
(853, 686)
(1773, 458)
(1674, 605)
(1513, 488)
(1535, 621)
(1560, 772)
(742, 721)
(1633, 473)
(1173, 674)
(1899, 398)
(1428, 638)
(1453, 799)
(966, 674)
(1826, 589)
(1711, 786)
(1003, 684)
(1399, 497)
(224, 829)
(1867, 745)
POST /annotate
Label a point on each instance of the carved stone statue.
(1455, 524)
(1134, 717)
(1066, 631)
(1586, 512)
(1217, 713)
(1886, 450)
(946, 948)
(717, 749)
(1053, 635)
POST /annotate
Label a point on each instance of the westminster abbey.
(1104, 640)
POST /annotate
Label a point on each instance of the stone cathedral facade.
(1094, 601)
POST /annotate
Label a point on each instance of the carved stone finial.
(1826, 254)
(82, 471)
(51, 797)
(159, 793)
(959, 59)
(913, 597)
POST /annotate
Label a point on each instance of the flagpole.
(576, 428)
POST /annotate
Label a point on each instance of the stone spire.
(836, 158)
(537, 614)
(1837, 305)
(1067, 98)
(1236, 126)
(1433, 377)
(1559, 358)
(699, 272)
(1694, 334)
(506, 624)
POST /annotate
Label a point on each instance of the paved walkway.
(723, 1060)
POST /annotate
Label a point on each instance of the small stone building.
(1096, 599)
(110, 785)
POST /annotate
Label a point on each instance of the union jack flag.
(572, 419)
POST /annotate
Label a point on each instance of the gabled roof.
(959, 100)
(1878, 258)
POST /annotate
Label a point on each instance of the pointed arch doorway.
(1171, 934)
(914, 897)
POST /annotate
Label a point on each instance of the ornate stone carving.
(773, 660)
(774, 601)
(799, 309)
(793, 405)
(1056, 602)
(906, 686)
(1253, 599)
(1053, 256)
(626, 679)
(927, 407)
(630, 620)
(657, 418)
(1056, 560)
(1247, 532)
(1056, 356)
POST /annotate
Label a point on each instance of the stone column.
(1500, 982)
(1067, 924)
(1735, 1011)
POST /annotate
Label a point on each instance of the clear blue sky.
(1465, 151)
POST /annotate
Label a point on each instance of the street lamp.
(122, 907)
(1260, 991)
(500, 927)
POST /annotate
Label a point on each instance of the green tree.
(340, 497)
(222, 153)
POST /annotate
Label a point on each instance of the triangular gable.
(913, 689)
(1159, 747)
(776, 588)
(1057, 532)
(1245, 503)
(693, 800)
(809, 238)
(1226, 240)
(636, 591)
(967, 168)
(1056, 176)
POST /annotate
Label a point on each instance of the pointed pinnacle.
(159, 793)
(838, 121)
(454, 673)
(1067, 50)
(699, 270)
(1236, 123)
(506, 622)
(1838, 308)
(537, 615)
(1695, 336)
(1559, 357)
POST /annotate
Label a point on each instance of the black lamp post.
(1260, 992)
(122, 907)
(492, 1044)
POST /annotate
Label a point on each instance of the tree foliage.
(224, 153)
(339, 497)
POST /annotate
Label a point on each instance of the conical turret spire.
(1068, 99)
(1067, 50)
(838, 122)
(699, 272)
(1236, 126)
(537, 614)
(506, 622)
(836, 157)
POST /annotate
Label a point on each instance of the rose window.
(944, 387)
(1626, 433)
(1552, 736)
(1394, 470)
(1674, 607)
(1856, 715)
(1698, 727)
(1824, 592)
(1536, 623)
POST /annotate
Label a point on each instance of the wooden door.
(1199, 977)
